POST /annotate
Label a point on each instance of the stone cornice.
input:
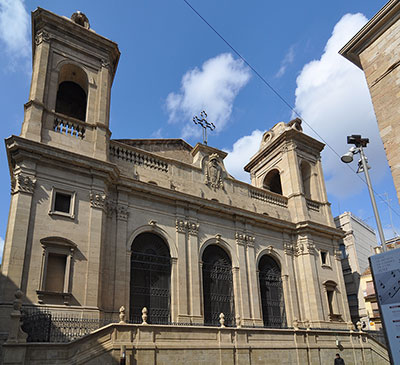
(44, 20)
(288, 136)
(385, 18)
(18, 148)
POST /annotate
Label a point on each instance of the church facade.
(158, 233)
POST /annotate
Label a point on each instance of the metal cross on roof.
(202, 121)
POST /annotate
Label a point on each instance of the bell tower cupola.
(288, 163)
(73, 71)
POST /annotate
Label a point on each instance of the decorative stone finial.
(122, 315)
(238, 321)
(16, 335)
(295, 324)
(81, 19)
(144, 315)
(222, 320)
(350, 326)
(359, 326)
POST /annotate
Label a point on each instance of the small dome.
(81, 19)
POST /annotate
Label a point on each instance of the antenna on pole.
(202, 121)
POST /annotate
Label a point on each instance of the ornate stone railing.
(69, 127)
(313, 205)
(138, 158)
(269, 197)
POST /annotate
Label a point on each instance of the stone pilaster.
(96, 237)
(16, 240)
(254, 291)
(311, 297)
(122, 255)
(194, 273)
(33, 118)
(241, 243)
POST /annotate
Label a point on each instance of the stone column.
(343, 305)
(291, 295)
(183, 297)
(194, 273)
(241, 242)
(96, 230)
(23, 186)
(122, 257)
(174, 289)
(307, 275)
(236, 291)
(32, 126)
(102, 107)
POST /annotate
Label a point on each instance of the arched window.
(272, 301)
(72, 92)
(305, 170)
(217, 286)
(272, 182)
(150, 279)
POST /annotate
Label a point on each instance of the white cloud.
(287, 60)
(14, 28)
(1, 249)
(333, 97)
(212, 88)
(243, 149)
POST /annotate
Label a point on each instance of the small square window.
(62, 203)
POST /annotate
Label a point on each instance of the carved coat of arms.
(213, 172)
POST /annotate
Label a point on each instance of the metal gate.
(273, 305)
(150, 280)
(217, 286)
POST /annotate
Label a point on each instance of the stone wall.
(153, 344)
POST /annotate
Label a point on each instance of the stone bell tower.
(288, 163)
(73, 71)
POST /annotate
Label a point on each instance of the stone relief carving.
(288, 248)
(183, 226)
(244, 239)
(41, 36)
(214, 172)
(180, 226)
(23, 183)
(122, 212)
(193, 228)
(98, 200)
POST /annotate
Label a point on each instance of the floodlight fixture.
(363, 166)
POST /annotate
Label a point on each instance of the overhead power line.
(280, 97)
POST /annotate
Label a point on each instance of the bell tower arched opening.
(72, 92)
(305, 170)
(217, 286)
(272, 182)
(150, 279)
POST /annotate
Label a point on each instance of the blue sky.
(173, 65)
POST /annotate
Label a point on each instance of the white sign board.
(386, 273)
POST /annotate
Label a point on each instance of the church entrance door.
(217, 286)
(150, 279)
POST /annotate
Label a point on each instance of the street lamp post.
(361, 143)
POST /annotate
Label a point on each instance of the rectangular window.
(324, 258)
(56, 269)
(55, 275)
(330, 300)
(62, 203)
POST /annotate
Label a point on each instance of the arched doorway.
(217, 286)
(272, 301)
(150, 279)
